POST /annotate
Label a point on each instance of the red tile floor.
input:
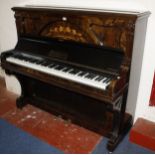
(143, 133)
(61, 134)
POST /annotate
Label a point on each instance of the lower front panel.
(78, 108)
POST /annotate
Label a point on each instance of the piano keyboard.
(62, 70)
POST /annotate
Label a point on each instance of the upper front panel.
(99, 28)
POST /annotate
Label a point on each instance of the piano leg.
(21, 100)
(120, 125)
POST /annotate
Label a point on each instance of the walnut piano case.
(93, 42)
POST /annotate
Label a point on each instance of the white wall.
(1, 72)
(8, 35)
(143, 79)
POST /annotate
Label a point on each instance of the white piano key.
(85, 75)
(60, 73)
(102, 81)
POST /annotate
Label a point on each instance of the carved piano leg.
(21, 101)
(120, 127)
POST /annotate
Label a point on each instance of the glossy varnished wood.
(100, 31)
(100, 28)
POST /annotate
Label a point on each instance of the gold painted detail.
(68, 31)
(65, 31)
(61, 29)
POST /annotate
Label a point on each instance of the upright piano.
(75, 63)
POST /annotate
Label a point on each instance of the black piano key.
(21, 58)
(82, 73)
(28, 59)
(107, 80)
(47, 63)
(35, 61)
(104, 80)
(70, 70)
(51, 65)
(31, 60)
(59, 67)
(91, 76)
(43, 62)
(66, 69)
(74, 71)
(99, 78)
(18, 57)
(55, 66)
(38, 62)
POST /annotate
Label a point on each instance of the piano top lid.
(138, 13)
